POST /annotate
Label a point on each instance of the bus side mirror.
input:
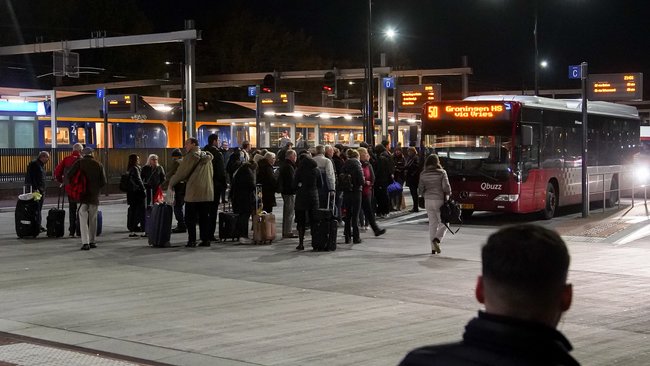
(526, 135)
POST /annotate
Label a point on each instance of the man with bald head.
(524, 289)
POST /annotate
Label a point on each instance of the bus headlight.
(642, 174)
(507, 198)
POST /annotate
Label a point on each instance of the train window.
(4, 132)
(137, 135)
(24, 133)
(62, 136)
(81, 135)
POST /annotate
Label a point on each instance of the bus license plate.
(467, 206)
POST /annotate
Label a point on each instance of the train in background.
(80, 119)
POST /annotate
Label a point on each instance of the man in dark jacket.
(35, 178)
(523, 287)
(384, 170)
(285, 186)
(352, 196)
(218, 181)
(89, 202)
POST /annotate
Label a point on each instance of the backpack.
(76, 188)
(450, 212)
(345, 182)
(125, 182)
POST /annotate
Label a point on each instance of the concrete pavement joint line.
(112, 354)
(75, 348)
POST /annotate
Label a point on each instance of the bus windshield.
(475, 156)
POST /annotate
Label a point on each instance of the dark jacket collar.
(518, 336)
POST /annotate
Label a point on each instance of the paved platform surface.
(365, 304)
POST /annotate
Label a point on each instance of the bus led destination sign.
(468, 111)
(614, 87)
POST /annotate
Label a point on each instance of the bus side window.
(530, 153)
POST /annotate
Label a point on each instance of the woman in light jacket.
(434, 187)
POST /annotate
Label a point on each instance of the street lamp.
(390, 33)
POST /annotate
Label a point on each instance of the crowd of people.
(359, 185)
(523, 284)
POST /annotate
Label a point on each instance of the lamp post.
(182, 76)
(369, 129)
(536, 51)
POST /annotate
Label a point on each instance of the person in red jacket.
(61, 174)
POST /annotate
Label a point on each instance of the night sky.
(496, 35)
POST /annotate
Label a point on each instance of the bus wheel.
(613, 195)
(466, 214)
(551, 202)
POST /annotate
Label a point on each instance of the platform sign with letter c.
(575, 72)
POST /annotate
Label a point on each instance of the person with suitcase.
(89, 201)
(242, 193)
(306, 187)
(135, 197)
(218, 180)
(196, 171)
(178, 191)
(61, 174)
(35, 178)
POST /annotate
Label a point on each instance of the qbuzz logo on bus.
(490, 187)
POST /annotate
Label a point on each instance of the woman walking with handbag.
(435, 188)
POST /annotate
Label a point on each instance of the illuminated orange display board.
(413, 97)
(614, 87)
(125, 103)
(498, 111)
(277, 102)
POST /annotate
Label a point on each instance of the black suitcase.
(56, 219)
(228, 225)
(324, 229)
(160, 225)
(26, 216)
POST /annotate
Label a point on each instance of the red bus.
(522, 154)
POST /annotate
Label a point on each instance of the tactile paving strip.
(28, 354)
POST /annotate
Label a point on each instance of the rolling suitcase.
(228, 225)
(160, 225)
(147, 219)
(56, 218)
(26, 216)
(324, 229)
(263, 223)
(263, 228)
